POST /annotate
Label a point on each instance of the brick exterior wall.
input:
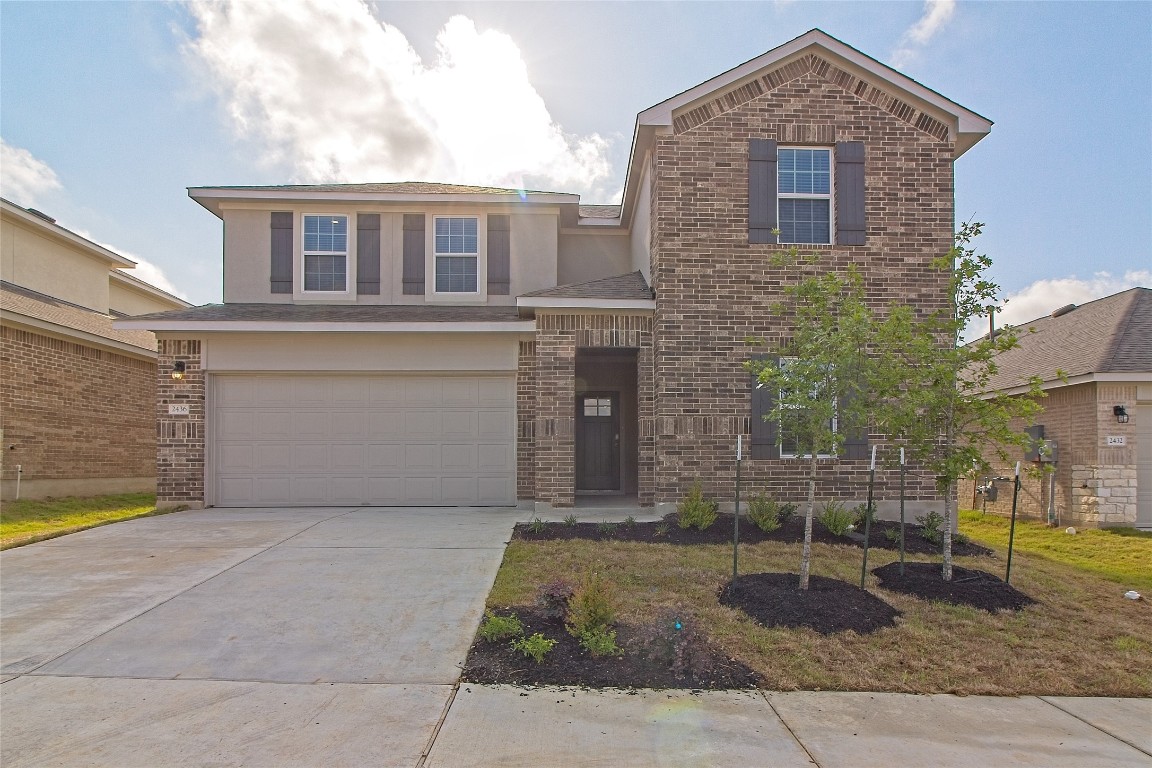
(1095, 484)
(526, 421)
(73, 411)
(714, 289)
(179, 439)
(558, 336)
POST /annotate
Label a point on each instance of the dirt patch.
(667, 531)
(569, 664)
(978, 589)
(827, 606)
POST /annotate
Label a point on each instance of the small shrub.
(661, 529)
(835, 518)
(892, 534)
(500, 627)
(570, 521)
(535, 647)
(600, 641)
(764, 512)
(552, 599)
(606, 529)
(673, 641)
(696, 511)
(590, 606)
(787, 510)
(862, 515)
(629, 522)
(537, 525)
(930, 527)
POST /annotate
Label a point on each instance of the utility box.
(1035, 443)
(1048, 451)
(988, 491)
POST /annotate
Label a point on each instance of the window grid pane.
(456, 274)
(324, 273)
(326, 234)
(805, 171)
(805, 221)
(456, 234)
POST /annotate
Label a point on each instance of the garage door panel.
(347, 439)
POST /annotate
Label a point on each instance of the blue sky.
(108, 111)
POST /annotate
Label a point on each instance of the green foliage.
(765, 513)
(862, 514)
(591, 606)
(535, 647)
(26, 520)
(570, 521)
(606, 528)
(600, 641)
(629, 522)
(932, 529)
(695, 511)
(500, 627)
(661, 529)
(836, 518)
(537, 525)
(892, 534)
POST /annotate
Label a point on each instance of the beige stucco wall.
(359, 351)
(591, 255)
(50, 266)
(126, 299)
(641, 243)
(247, 245)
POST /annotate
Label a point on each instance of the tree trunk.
(806, 552)
(947, 572)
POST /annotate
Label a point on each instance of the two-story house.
(436, 344)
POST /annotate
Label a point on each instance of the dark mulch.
(827, 606)
(569, 664)
(978, 589)
(792, 532)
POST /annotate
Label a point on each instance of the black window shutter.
(761, 190)
(850, 229)
(764, 439)
(281, 266)
(855, 440)
(499, 255)
(368, 254)
(414, 254)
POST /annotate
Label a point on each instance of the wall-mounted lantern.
(179, 367)
(1121, 414)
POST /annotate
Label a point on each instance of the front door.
(598, 441)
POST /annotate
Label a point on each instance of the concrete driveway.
(257, 637)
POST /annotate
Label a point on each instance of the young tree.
(931, 389)
(819, 374)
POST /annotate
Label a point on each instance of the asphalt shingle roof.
(1109, 335)
(599, 211)
(22, 301)
(338, 313)
(630, 286)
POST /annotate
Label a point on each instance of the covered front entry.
(605, 421)
(335, 439)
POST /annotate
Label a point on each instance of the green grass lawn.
(1121, 555)
(29, 520)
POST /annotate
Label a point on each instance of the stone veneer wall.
(1095, 484)
(179, 439)
(714, 289)
(558, 336)
(73, 414)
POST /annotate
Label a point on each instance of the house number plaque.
(1115, 440)
(176, 409)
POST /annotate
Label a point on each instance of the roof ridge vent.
(1063, 310)
(41, 214)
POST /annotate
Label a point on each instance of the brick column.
(526, 422)
(179, 437)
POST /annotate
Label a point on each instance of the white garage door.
(385, 440)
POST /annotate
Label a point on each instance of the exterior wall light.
(1120, 413)
(179, 367)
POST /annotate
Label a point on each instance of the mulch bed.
(978, 589)
(827, 606)
(569, 664)
(792, 532)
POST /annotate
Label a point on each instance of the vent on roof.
(1063, 310)
(41, 214)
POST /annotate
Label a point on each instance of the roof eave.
(562, 302)
(55, 230)
(212, 197)
(274, 326)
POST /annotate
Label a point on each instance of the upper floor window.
(804, 195)
(325, 253)
(456, 254)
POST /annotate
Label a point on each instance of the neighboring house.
(76, 394)
(1095, 361)
(437, 344)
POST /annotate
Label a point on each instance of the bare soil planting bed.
(827, 606)
(971, 587)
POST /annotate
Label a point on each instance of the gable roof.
(46, 225)
(1112, 335)
(28, 307)
(629, 286)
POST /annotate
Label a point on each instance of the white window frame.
(347, 253)
(479, 255)
(780, 427)
(830, 197)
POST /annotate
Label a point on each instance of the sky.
(110, 110)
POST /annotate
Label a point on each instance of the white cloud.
(1043, 296)
(326, 88)
(23, 178)
(936, 14)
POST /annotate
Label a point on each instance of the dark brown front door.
(598, 442)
